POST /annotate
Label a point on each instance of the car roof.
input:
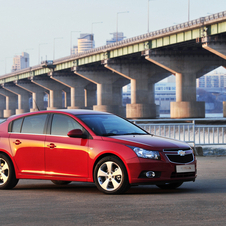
(69, 111)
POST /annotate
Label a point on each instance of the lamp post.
(39, 51)
(148, 14)
(93, 24)
(92, 31)
(54, 46)
(188, 10)
(6, 62)
(1, 61)
(117, 24)
(71, 40)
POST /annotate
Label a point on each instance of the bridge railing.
(188, 132)
(143, 37)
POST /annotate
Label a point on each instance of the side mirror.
(77, 133)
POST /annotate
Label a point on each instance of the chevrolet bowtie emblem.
(181, 153)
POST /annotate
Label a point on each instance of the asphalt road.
(43, 203)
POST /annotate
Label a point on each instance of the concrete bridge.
(94, 79)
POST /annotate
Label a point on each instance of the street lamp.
(93, 24)
(6, 61)
(39, 51)
(54, 46)
(148, 14)
(71, 40)
(92, 32)
(117, 24)
(188, 10)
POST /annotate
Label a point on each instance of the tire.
(7, 173)
(110, 176)
(169, 185)
(61, 182)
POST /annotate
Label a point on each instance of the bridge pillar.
(219, 49)
(186, 105)
(36, 91)
(77, 87)
(107, 85)
(55, 91)
(2, 105)
(185, 68)
(141, 75)
(90, 95)
(23, 97)
(11, 102)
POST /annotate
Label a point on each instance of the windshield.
(110, 125)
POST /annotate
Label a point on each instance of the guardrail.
(188, 132)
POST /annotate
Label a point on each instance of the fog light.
(150, 174)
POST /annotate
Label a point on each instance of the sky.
(33, 26)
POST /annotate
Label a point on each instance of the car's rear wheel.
(169, 185)
(61, 182)
(7, 173)
(110, 175)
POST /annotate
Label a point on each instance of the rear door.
(27, 137)
(65, 156)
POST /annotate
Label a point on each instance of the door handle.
(17, 142)
(51, 145)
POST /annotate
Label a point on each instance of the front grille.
(182, 175)
(180, 159)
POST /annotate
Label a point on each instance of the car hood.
(155, 142)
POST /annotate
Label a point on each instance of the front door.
(65, 156)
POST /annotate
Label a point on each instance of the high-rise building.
(74, 50)
(117, 36)
(20, 62)
(85, 42)
(213, 80)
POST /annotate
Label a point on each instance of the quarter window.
(16, 127)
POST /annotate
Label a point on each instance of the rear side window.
(34, 124)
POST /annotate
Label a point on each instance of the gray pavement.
(43, 203)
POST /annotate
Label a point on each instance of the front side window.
(62, 124)
(34, 124)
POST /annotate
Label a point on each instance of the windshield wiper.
(109, 134)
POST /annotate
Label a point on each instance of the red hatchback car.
(90, 146)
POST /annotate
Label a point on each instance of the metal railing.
(189, 132)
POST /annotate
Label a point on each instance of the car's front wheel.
(7, 174)
(110, 175)
(169, 185)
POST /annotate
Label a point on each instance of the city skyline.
(33, 26)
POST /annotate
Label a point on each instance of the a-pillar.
(11, 102)
(106, 83)
(185, 69)
(219, 49)
(55, 91)
(23, 97)
(76, 84)
(141, 75)
(37, 93)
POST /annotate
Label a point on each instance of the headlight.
(142, 153)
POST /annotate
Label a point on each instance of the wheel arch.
(110, 154)
(11, 159)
